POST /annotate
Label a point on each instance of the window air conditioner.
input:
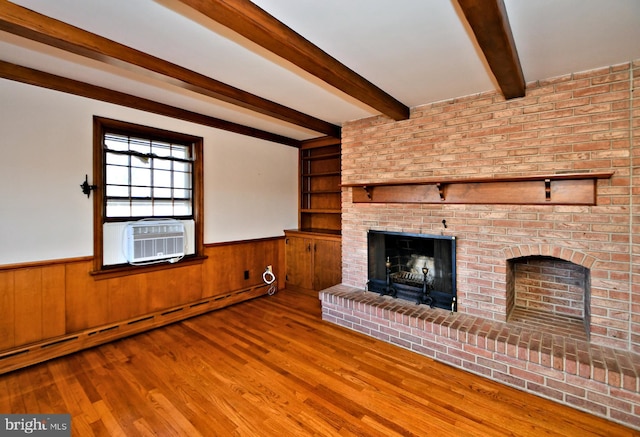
(154, 240)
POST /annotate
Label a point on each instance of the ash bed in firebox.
(414, 267)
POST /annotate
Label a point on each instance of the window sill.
(127, 270)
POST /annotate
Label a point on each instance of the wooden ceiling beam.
(37, 27)
(50, 81)
(255, 24)
(490, 24)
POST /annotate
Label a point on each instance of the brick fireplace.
(548, 296)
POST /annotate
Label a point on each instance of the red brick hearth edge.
(597, 379)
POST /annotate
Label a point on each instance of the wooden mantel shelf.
(556, 189)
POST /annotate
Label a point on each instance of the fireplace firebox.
(414, 267)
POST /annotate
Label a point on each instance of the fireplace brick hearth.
(584, 122)
(600, 380)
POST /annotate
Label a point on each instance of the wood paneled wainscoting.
(49, 309)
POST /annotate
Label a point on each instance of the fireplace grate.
(409, 278)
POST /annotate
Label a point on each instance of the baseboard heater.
(44, 350)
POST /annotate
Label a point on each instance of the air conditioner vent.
(154, 240)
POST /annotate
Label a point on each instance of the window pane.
(180, 152)
(182, 208)
(163, 208)
(140, 145)
(114, 158)
(162, 164)
(117, 175)
(117, 191)
(161, 149)
(162, 178)
(141, 208)
(118, 209)
(141, 192)
(140, 161)
(140, 176)
(181, 194)
(182, 180)
(116, 142)
(164, 193)
(184, 167)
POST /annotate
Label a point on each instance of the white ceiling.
(418, 51)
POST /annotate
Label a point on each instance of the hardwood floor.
(272, 367)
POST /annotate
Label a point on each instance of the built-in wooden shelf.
(320, 191)
(555, 189)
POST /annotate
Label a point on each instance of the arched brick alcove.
(549, 287)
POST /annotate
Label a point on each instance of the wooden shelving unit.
(555, 189)
(320, 189)
(313, 251)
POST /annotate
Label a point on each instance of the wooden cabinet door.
(298, 262)
(327, 263)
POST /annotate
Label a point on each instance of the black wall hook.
(86, 188)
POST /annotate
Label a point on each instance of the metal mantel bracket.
(367, 190)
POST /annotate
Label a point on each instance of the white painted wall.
(250, 185)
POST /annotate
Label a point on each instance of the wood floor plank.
(108, 421)
(272, 367)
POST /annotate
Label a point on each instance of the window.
(145, 173)
(146, 177)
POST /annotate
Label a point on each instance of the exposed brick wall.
(635, 209)
(582, 122)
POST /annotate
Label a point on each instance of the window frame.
(103, 125)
